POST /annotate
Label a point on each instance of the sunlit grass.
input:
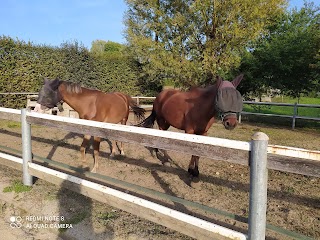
(287, 110)
(17, 187)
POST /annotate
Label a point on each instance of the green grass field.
(287, 110)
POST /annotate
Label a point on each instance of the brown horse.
(195, 111)
(91, 105)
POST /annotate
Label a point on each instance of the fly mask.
(228, 100)
(49, 95)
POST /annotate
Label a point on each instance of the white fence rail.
(280, 158)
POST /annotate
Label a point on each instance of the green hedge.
(23, 67)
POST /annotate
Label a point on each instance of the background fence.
(294, 106)
(146, 102)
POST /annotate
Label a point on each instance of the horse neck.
(210, 92)
(72, 99)
(205, 98)
(208, 97)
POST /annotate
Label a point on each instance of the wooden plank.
(294, 165)
(11, 161)
(186, 224)
(213, 148)
(294, 152)
(10, 114)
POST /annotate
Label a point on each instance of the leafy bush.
(24, 66)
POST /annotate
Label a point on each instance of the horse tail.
(149, 121)
(138, 111)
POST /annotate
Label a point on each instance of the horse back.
(110, 107)
(185, 110)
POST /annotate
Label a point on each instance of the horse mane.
(73, 87)
(204, 89)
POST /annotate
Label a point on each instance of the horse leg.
(113, 148)
(96, 146)
(123, 122)
(163, 125)
(86, 139)
(194, 166)
(194, 162)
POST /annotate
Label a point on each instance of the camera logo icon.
(15, 222)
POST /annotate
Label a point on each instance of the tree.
(287, 59)
(117, 70)
(101, 47)
(191, 41)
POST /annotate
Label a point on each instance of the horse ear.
(55, 83)
(237, 80)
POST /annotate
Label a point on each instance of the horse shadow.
(89, 150)
(78, 215)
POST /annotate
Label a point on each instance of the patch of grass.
(17, 187)
(303, 100)
(9, 124)
(14, 125)
(51, 196)
(289, 190)
(75, 219)
(107, 216)
(287, 110)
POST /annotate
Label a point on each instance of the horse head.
(229, 101)
(49, 95)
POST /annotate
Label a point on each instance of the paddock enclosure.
(222, 195)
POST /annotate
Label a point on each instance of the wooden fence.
(281, 158)
(294, 115)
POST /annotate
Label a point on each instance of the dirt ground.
(293, 200)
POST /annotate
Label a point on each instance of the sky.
(52, 22)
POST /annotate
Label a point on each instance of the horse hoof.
(195, 183)
(84, 165)
(194, 172)
(166, 164)
(94, 170)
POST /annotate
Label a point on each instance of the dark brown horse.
(195, 111)
(91, 105)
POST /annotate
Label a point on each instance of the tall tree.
(101, 47)
(190, 41)
(117, 70)
(288, 58)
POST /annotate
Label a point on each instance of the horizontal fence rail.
(19, 93)
(281, 158)
(10, 114)
(294, 115)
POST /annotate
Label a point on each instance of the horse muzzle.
(229, 120)
(39, 108)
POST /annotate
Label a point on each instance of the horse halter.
(225, 114)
